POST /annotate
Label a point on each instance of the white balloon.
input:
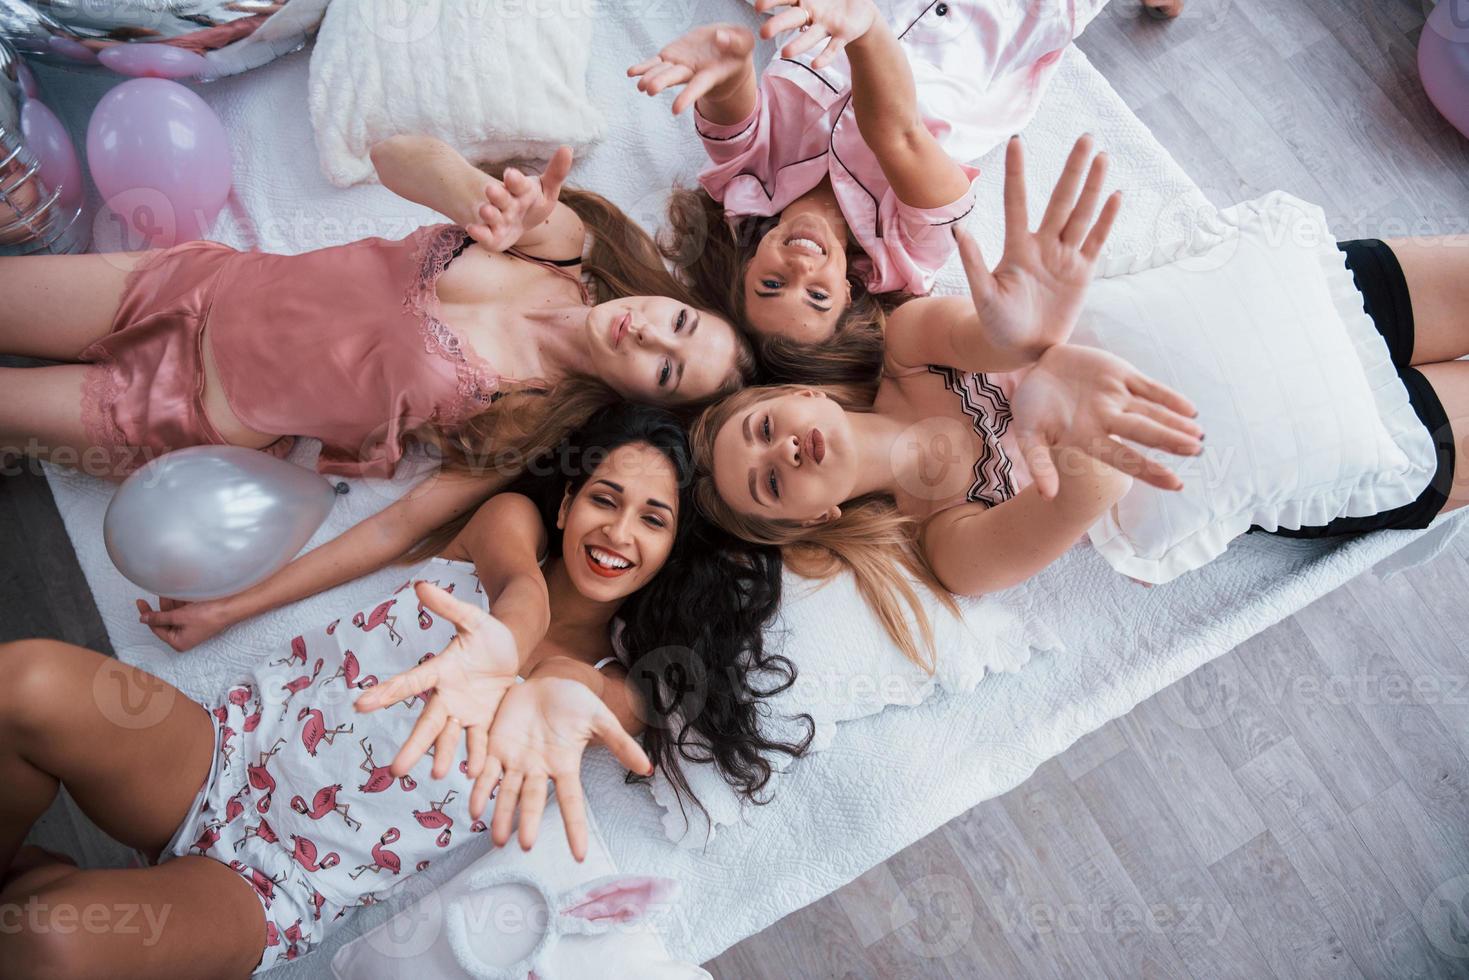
(210, 521)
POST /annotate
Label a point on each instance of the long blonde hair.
(530, 419)
(871, 539)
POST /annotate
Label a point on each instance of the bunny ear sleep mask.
(507, 924)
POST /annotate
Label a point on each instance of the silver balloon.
(232, 35)
(210, 521)
(32, 218)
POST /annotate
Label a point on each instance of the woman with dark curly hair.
(281, 805)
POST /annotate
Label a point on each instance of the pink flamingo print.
(332, 627)
(241, 696)
(296, 685)
(478, 827)
(304, 854)
(260, 777)
(263, 883)
(317, 901)
(379, 617)
(235, 805)
(325, 802)
(434, 818)
(378, 777)
(421, 866)
(314, 732)
(296, 656)
(207, 836)
(294, 938)
(262, 830)
(349, 670)
(382, 858)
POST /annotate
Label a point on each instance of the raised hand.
(713, 59)
(1033, 297)
(838, 22)
(1085, 399)
(469, 678)
(497, 213)
(183, 625)
(542, 729)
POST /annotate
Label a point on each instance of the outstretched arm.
(884, 96)
(520, 210)
(360, 550)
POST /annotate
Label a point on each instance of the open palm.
(707, 60)
(1042, 279)
(542, 729)
(1085, 399)
(468, 678)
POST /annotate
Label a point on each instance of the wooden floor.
(1300, 807)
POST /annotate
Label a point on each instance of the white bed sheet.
(886, 780)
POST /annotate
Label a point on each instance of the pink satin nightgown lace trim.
(478, 382)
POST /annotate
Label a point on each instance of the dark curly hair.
(694, 636)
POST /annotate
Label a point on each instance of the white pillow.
(416, 944)
(495, 79)
(1256, 319)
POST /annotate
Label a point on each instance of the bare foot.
(34, 867)
(1163, 9)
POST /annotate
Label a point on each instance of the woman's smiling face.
(618, 530)
(658, 351)
(796, 282)
(786, 458)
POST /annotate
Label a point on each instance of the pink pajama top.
(980, 68)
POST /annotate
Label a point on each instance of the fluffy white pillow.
(416, 943)
(496, 79)
(1257, 321)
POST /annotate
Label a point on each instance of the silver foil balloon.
(232, 35)
(210, 521)
(32, 218)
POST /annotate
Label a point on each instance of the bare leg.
(191, 917)
(57, 305)
(1437, 270)
(129, 748)
(1450, 380)
(41, 416)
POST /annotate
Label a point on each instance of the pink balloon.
(75, 50)
(152, 61)
(47, 138)
(1443, 61)
(27, 80)
(161, 158)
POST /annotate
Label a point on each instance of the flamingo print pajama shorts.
(299, 800)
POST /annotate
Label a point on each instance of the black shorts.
(1379, 277)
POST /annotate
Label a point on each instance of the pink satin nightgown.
(342, 344)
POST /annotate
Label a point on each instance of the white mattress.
(886, 780)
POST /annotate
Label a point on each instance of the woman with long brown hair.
(488, 338)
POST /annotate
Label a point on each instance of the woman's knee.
(37, 941)
(40, 676)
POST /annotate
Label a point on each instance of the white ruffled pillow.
(495, 79)
(1256, 319)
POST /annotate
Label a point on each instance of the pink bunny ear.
(619, 898)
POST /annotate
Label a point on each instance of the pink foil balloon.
(27, 80)
(152, 61)
(74, 50)
(48, 140)
(1443, 61)
(161, 158)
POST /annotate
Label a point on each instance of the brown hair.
(530, 419)
(871, 539)
(711, 257)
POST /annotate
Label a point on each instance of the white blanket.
(884, 781)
